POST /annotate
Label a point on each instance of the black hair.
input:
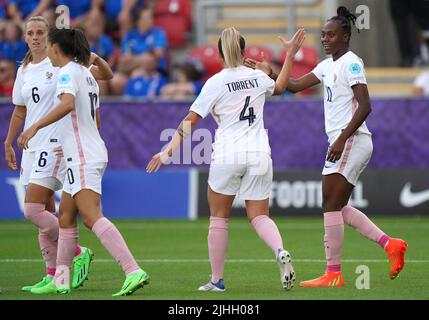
(345, 18)
(72, 43)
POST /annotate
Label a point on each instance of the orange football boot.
(329, 279)
(395, 250)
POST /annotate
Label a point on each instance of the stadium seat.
(209, 56)
(175, 17)
(255, 52)
(305, 61)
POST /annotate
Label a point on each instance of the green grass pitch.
(174, 253)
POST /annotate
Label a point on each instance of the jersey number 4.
(93, 98)
(251, 116)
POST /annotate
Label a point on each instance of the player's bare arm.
(185, 128)
(16, 122)
(66, 105)
(293, 85)
(292, 46)
(361, 94)
(101, 69)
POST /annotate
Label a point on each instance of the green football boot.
(133, 282)
(39, 284)
(50, 288)
(81, 265)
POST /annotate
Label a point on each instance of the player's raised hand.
(292, 46)
(10, 157)
(25, 137)
(260, 65)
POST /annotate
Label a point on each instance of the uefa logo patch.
(355, 68)
(64, 79)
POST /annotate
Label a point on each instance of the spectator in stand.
(2, 9)
(118, 13)
(14, 48)
(18, 10)
(2, 32)
(421, 85)
(50, 16)
(188, 82)
(146, 81)
(136, 45)
(7, 77)
(100, 43)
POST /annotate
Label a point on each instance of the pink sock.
(49, 252)
(217, 242)
(359, 221)
(78, 250)
(112, 240)
(48, 232)
(67, 242)
(62, 276)
(268, 232)
(334, 236)
(51, 271)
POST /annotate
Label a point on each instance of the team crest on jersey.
(49, 75)
(355, 68)
(64, 79)
(335, 77)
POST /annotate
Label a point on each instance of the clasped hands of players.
(292, 46)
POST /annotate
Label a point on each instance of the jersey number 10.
(93, 98)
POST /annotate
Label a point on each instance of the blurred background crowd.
(167, 48)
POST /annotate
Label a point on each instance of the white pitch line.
(227, 261)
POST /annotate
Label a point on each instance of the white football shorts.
(86, 176)
(356, 155)
(249, 176)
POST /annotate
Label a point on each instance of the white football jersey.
(235, 97)
(34, 88)
(338, 77)
(79, 136)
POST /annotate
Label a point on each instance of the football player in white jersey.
(346, 104)
(85, 155)
(42, 168)
(241, 160)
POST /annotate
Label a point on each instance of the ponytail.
(231, 47)
(72, 43)
(27, 59)
(82, 51)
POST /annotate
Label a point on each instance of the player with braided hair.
(347, 105)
